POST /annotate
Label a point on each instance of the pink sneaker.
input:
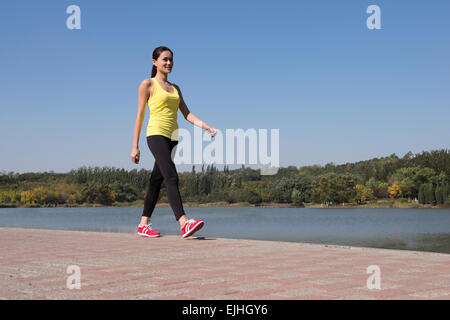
(147, 231)
(191, 226)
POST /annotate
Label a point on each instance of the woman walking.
(163, 99)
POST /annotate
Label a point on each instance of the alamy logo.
(74, 280)
(74, 20)
(374, 21)
(374, 281)
(257, 148)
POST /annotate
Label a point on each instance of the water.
(410, 229)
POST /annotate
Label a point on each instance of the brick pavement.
(33, 265)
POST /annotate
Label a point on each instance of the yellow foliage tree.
(40, 194)
(12, 196)
(4, 197)
(111, 195)
(27, 197)
(394, 190)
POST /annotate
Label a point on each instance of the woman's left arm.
(192, 118)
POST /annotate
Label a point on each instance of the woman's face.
(164, 63)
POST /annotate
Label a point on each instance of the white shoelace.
(192, 220)
(148, 226)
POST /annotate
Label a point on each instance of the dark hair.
(156, 53)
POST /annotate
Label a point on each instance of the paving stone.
(125, 266)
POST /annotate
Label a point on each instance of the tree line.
(423, 177)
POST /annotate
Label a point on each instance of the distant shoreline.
(386, 204)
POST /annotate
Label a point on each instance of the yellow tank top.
(163, 107)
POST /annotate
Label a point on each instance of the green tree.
(250, 192)
(438, 195)
(444, 189)
(410, 178)
(425, 175)
(363, 194)
(379, 188)
(334, 188)
(422, 194)
(98, 193)
(125, 193)
(429, 193)
(281, 190)
(448, 200)
(297, 197)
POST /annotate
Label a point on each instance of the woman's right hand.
(135, 155)
(211, 130)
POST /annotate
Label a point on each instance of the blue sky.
(337, 91)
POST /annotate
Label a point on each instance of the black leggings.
(164, 169)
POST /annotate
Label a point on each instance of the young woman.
(163, 99)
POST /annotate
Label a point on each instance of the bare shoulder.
(146, 83)
(146, 87)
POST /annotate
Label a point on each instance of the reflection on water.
(407, 229)
(439, 242)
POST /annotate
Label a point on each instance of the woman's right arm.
(144, 92)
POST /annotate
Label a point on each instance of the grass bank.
(385, 203)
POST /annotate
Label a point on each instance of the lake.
(409, 229)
